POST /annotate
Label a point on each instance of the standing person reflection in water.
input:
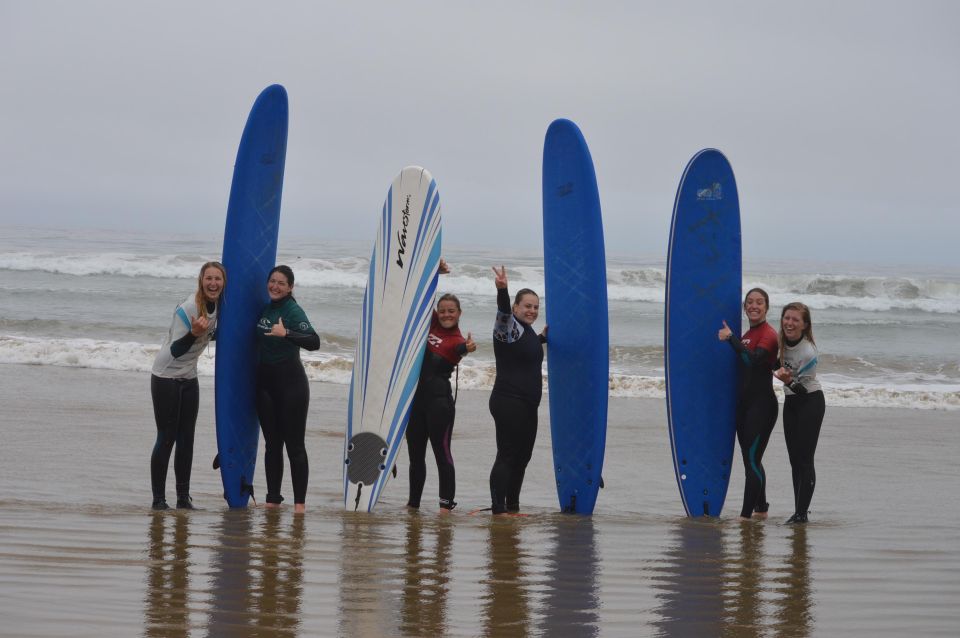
(803, 405)
(174, 387)
(757, 404)
(433, 410)
(283, 392)
(518, 351)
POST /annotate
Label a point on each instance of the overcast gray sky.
(840, 118)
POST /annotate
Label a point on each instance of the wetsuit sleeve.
(506, 328)
(758, 357)
(182, 345)
(461, 349)
(304, 335)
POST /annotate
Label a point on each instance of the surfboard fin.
(216, 461)
(356, 503)
(601, 483)
(246, 488)
(394, 470)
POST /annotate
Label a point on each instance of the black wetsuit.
(433, 412)
(283, 395)
(756, 410)
(803, 411)
(176, 400)
(518, 350)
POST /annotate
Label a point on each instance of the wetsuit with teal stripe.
(756, 410)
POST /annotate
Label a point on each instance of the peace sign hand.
(500, 280)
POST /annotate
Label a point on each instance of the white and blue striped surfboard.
(397, 308)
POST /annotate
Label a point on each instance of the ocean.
(104, 300)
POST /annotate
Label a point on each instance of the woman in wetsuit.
(756, 403)
(518, 350)
(283, 392)
(174, 387)
(433, 410)
(803, 406)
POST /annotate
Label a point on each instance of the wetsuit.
(176, 399)
(433, 412)
(803, 410)
(283, 395)
(756, 410)
(518, 350)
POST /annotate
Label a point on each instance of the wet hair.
(449, 297)
(763, 292)
(807, 332)
(520, 294)
(200, 299)
(284, 270)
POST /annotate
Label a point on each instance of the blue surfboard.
(704, 275)
(249, 252)
(578, 359)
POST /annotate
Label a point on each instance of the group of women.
(790, 357)
(283, 393)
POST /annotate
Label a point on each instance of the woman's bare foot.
(760, 515)
(271, 506)
(299, 508)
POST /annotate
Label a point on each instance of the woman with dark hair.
(283, 392)
(756, 402)
(433, 410)
(174, 387)
(803, 406)
(517, 390)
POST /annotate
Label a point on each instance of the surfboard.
(394, 322)
(578, 359)
(249, 252)
(703, 289)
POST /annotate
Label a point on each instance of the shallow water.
(82, 555)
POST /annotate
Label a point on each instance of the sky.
(840, 118)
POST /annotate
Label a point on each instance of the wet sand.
(81, 554)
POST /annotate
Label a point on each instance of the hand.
(277, 330)
(471, 345)
(724, 333)
(198, 326)
(443, 268)
(500, 279)
(543, 333)
(785, 375)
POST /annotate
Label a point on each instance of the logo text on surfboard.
(712, 193)
(402, 234)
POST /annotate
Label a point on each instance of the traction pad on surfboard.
(366, 458)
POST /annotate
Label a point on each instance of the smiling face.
(792, 324)
(755, 307)
(278, 286)
(211, 282)
(448, 313)
(528, 308)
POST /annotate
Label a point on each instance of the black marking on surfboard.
(366, 454)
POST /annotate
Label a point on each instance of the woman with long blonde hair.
(804, 405)
(174, 387)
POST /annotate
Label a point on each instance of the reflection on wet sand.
(722, 580)
(368, 591)
(572, 599)
(794, 608)
(168, 581)
(426, 576)
(691, 581)
(506, 605)
(257, 580)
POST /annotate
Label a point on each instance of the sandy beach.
(81, 554)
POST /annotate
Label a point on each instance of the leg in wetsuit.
(802, 418)
(431, 418)
(175, 406)
(283, 397)
(516, 423)
(755, 421)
